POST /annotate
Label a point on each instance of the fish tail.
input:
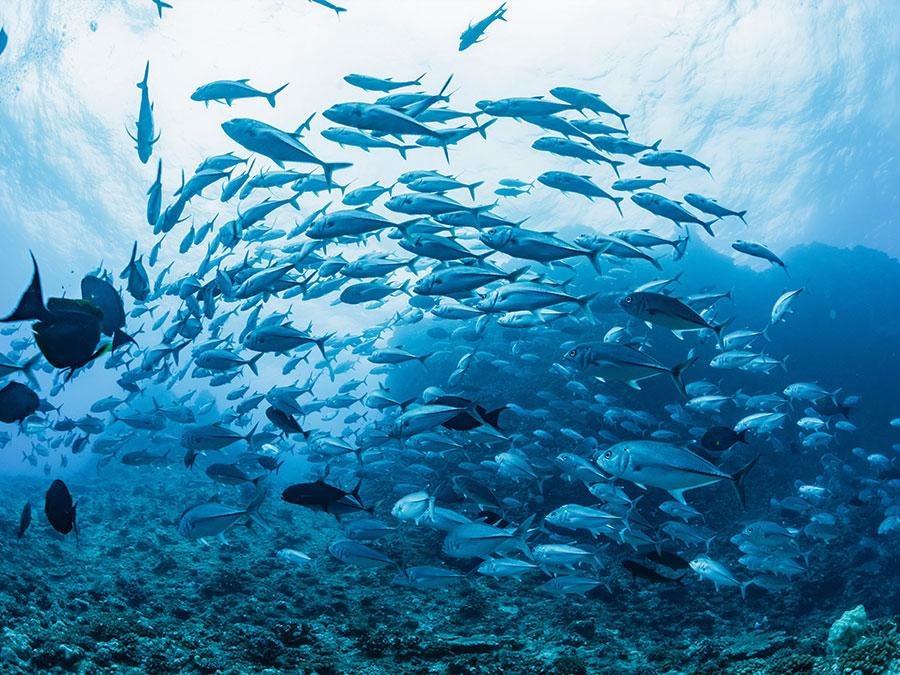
(615, 164)
(520, 536)
(594, 257)
(718, 331)
(677, 373)
(320, 343)
(28, 370)
(515, 274)
(330, 167)
(616, 201)
(31, 306)
(680, 246)
(305, 126)
(253, 510)
(622, 119)
(738, 478)
(143, 83)
(584, 302)
(741, 214)
(249, 436)
(708, 226)
(120, 338)
(271, 97)
(482, 130)
(472, 187)
(443, 142)
(493, 417)
(252, 363)
(655, 146)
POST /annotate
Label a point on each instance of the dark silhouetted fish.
(59, 508)
(24, 519)
(639, 571)
(17, 401)
(67, 331)
(668, 559)
(324, 497)
(719, 439)
(465, 421)
(102, 294)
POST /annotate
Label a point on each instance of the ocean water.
(460, 401)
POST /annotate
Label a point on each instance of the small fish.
(474, 33)
(24, 520)
(226, 91)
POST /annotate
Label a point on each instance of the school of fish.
(566, 479)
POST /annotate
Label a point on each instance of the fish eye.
(608, 454)
(572, 352)
(629, 300)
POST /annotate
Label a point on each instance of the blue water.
(794, 111)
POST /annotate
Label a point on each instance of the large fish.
(279, 146)
(66, 331)
(664, 310)
(670, 467)
(60, 509)
(621, 363)
(102, 294)
(17, 401)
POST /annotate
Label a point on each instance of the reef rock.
(847, 630)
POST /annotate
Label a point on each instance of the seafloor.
(135, 597)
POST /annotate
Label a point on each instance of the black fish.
(491, 518)
(465, 421)
(189, 458)
(283, 421)
(68, 337)
(269, 463)
(719, 439)
(25, 519)
(59, 508)
(670, 560)
(638, 570)
(324, 497)
(138, 282)
(79, 444)
(67, 331)
(478, 492)
(102, 294)
(828, 405)
(64, 425)
(17, 401)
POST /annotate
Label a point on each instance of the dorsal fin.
(31, 306)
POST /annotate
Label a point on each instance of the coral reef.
(135, 598)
